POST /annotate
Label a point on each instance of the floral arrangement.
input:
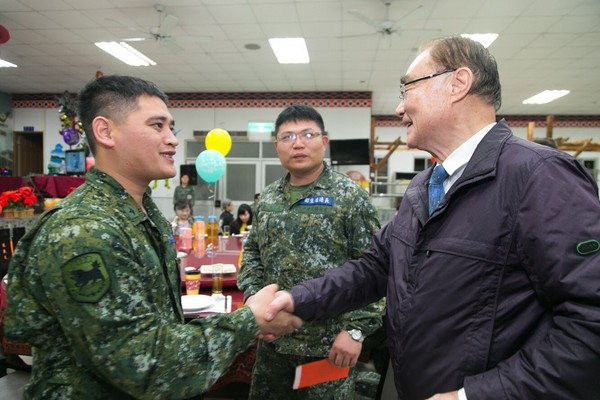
(19, 199)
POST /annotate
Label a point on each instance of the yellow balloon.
(218, 139)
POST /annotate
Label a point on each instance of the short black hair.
(299, 112)
(112, 96)
(181, 204)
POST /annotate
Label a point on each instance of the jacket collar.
(107, 184)
(322, 182)
(485, 159)
(482, 165)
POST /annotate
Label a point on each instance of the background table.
(10, 183)
(228, 253)
(56, 185)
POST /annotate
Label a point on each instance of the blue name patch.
(317, 201)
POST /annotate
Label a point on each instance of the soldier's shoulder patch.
(86, 278)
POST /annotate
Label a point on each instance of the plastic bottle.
(175, 230)
(57, 161)
(212, 233)
(198, 231)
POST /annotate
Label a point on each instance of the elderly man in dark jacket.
(493, 293)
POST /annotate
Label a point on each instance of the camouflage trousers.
(273, 378)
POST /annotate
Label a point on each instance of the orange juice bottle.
(198, 232)
(212, 233)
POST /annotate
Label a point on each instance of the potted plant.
(18, 203)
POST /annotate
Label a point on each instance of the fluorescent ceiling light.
(546, 96)
(486, 39)
(6, 64)
(125, 53)
(290, 50)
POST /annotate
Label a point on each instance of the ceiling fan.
(386, 27)
(161, 33)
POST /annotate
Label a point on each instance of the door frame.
(32, 163)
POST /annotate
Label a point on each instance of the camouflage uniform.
(294, 241)
(94, 288)
(185, 193)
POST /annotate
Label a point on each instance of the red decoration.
(20, 198)
(4, 35)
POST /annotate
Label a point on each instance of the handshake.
(273, 312)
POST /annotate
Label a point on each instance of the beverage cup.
(185, 236)
(226, 231)
(183, 264)
(217, 279)
(223, 243)
(192, 280)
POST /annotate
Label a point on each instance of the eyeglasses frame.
(301, 135)
(433, 75)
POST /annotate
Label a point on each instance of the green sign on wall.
(261, 126)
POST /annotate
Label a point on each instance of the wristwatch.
(356, 335)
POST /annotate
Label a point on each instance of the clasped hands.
(277, 319)
(273, 312)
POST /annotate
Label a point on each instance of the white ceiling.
(543, 44)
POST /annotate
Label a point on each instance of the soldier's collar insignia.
(86, 278)
(588, 247)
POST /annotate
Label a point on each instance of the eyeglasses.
(403, 89)
(290, 137)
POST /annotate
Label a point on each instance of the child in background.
(183, 218)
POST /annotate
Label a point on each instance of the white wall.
(340, 123)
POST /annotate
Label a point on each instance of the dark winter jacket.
(498, 291)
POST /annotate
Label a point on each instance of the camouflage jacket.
(185, 193)
(292, 242)
(94, 288)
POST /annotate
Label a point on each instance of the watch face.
(356, 335)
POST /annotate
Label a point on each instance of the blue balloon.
(211, 165)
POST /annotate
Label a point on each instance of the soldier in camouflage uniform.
(310, 221)
(94, 285)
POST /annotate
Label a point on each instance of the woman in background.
(243, 220)
(184, 191)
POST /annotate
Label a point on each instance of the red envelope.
(316, 372)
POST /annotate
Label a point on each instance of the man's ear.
(462, 82)
(103, 131)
